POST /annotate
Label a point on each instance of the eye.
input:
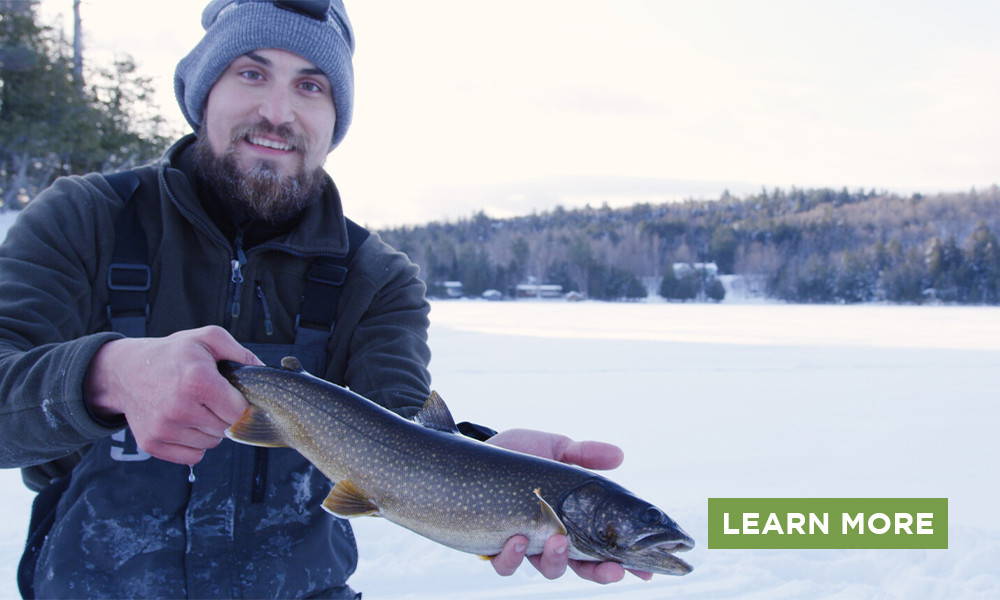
(251, 74)
(310, 86)
(655, 516)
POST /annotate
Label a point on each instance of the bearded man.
(119, 295)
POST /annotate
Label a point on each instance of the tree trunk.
(77, 46)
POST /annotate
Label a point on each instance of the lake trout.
(425, 476)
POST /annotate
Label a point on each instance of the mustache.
(297, 141)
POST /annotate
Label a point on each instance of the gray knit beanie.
(316, 30)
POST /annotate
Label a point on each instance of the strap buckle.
(129, 278)
(327, 274)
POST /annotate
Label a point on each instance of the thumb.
(223, 346)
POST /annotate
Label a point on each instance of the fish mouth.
(664, 546)
(669, 542)
(228, 370)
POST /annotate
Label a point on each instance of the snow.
(731, 400)
(728, 400)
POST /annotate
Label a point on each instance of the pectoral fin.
(256, 428)
(549, 515)
(347, 500)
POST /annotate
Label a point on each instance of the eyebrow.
(267, 63)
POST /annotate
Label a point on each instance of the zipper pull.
(268, 327)
(237, 276)
(237, 271)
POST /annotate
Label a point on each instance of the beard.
(260, 191)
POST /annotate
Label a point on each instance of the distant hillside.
(818, 245)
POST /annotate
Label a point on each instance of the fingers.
(554, 559)
(593, 455)
(599, 572)
(222, 346)
(510, 558)
(588, 454)
(170, 391)
(181, 455)
(179, 438)
(209, 398)
(189, 448)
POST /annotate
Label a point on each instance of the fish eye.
(655, 516)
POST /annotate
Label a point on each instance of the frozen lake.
(729, 400)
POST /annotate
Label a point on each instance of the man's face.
(270, 119)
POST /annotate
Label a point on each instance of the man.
(118, 417)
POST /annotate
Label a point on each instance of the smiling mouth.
(269, 143)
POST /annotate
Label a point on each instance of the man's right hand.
(170, 391)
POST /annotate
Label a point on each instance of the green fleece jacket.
(128, 525)
(53, 302)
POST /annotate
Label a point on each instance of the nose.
(276, 106)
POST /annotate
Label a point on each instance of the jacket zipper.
(258, 489)
(259, 483)
(236, 278)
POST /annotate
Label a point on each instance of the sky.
(520, 106)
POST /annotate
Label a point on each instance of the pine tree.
(51, 124)
(984, 266)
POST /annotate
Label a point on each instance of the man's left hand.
(554, 559)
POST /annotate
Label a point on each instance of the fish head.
(608, 523)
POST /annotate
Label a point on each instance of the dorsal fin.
(435, 415)
(290, 363)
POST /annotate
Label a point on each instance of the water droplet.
(191, 474)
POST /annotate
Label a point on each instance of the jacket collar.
(321, 231)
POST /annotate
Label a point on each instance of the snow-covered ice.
(760, 400)
(728, 400)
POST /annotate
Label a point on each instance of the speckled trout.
(425, 476)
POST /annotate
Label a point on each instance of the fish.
(422, 474)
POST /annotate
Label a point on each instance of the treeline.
(59, 116)
(798, 245)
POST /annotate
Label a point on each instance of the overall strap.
(324, 281)
(128, 274)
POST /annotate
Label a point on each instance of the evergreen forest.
(797, 245)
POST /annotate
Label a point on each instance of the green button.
(830, 523)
